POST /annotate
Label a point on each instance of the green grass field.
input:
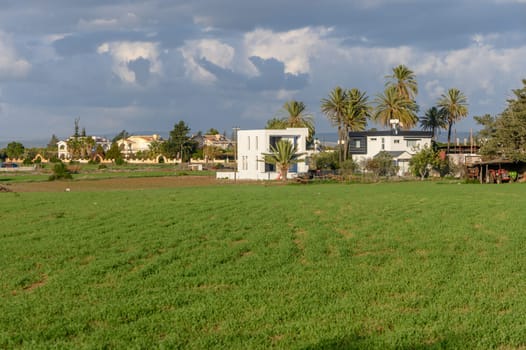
(395, 265)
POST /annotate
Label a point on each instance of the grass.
(91, 172)
(405, 265)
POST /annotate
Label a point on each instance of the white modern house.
(400, 144)
(251, 144)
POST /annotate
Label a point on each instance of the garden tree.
(295, 115)
(179, 144)
(284, 154)
(99, 151)
(212, 131)
(276, 123)
(404, 80)
(74, 142)
(485, 135)
(423, 161)
(155, 148)
(433, 120)
(14, 150)
(508, 139)
(381, 165)
(121, 135)
(114, 153)
(60, 171)
(454, 105)
(334, 109)
(392, 105)
(211, 152)
(356, 112)
(87, 146)
(325, 161)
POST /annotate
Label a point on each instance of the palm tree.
(296, 116)
(404, 80)
(454, 105)
(433, 119)
(284, 154)
(334, 109)
(276, 123)
(357, 111)
(392, 105)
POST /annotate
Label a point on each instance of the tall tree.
(74, 143)
(454, 104)
(284, 154)
(334, 109)
(391, 105)
(114, 153)
(14, 150)
(179, 144)
(404, 80)
(356, 112)
(295, 115)
(433, 120)
(508, 131)
(276, 123)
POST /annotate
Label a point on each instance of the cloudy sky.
(146, 64)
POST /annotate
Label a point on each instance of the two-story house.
(133, 144)
(400, 144)
(251, 144)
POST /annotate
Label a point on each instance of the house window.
(383, 143)
(373, 139)
(357, 143)
(396, 141)
(245, 163)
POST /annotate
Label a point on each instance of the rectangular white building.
(400, 144)
(251, 144)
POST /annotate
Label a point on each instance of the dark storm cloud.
(273, 77)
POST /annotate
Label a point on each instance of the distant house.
(251, 144)
(64, 152)
(217, 140)
(400, 144)
(136, 143)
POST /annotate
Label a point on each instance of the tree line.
(350, 109)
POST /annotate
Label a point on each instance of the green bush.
(60, 171)
(120, 161)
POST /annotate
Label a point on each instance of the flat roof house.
(400, 144)
(251, 144)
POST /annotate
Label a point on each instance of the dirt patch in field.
(115, 184)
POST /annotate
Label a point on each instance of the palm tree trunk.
(346, 146)
(450, 124)
(284, 170)
(340, 140)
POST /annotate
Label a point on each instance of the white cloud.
(124, 52)
(214, 51)
(295, 48)
(11, 65)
